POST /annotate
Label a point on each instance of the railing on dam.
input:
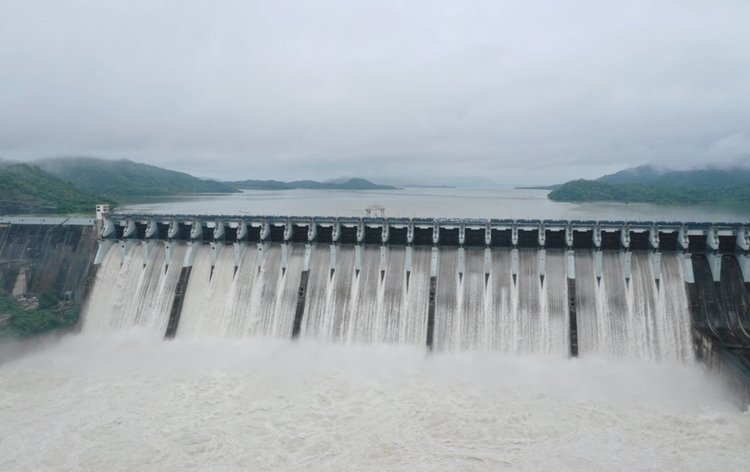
(638, 235)
(711, 239)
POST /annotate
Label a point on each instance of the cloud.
(518, 92)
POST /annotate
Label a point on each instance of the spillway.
(653, 291)
(134, 288)
(508, 300)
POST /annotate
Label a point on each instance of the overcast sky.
(511, 91)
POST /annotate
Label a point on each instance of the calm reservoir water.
(431, 203)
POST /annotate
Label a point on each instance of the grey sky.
(515, 92)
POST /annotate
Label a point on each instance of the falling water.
(131, 290)
(509, 300)
(632, 318)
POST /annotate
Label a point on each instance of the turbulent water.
(130, 401)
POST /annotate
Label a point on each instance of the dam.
(657, 291)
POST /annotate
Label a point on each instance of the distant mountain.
(539, 187)
(633, 175)
(27, 189)
(647, 184)
(117, 178)
(260, 185)
(341, 184)
(697, 178)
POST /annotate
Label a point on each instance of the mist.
(515, 93)
(128, 400)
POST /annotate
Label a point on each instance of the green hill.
(341, 184)
(28, 189)
(125, 178)
(596, 191)
(694, 178)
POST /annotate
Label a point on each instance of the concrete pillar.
(179, 298)
(712, 253)
(598, 266)
(261, 254)
(192, 248)
(627, 265)
(288, 228)
(219, 231)
(336, 232)
(386, 232)
(408, 264)
(682, 239)
(597, 236)
(570, 264)
(572, 313)
(655, 257)
(487, 265)
(383, 261)
(461, 262)
(242, 232)
(130, 229)
(360, 232)
(239, 250)
(435, 233)
(308, 257)
(743, 253)
(743, 260)
(687, 267)
(104, 245)
(514, 264)
(265, 230)
(169, 251)
(332, 261)
(357, 259)
(284, 256)
(653, 238)
(147, 248)
(196, 230)
(174, 229)
(625, 237)
(312, 231)
(152, 229)
(108, 228)
(542, 264)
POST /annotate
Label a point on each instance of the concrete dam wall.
(44, 255)
(654, 291)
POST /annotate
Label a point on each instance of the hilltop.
(119, 178)
(647, 184)
(27, 189)
(339, 184)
